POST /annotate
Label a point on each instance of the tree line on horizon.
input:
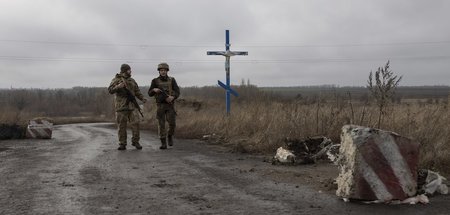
(89, 101)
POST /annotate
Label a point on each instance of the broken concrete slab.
(376, 165)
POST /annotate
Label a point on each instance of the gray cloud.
(290, 42)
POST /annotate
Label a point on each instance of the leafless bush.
(383, 89)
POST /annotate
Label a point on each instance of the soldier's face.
(163, 72)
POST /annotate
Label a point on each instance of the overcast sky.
(66, 43)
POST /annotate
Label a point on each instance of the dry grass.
(12, 124)
(261, 126)
(12, 116)
(259, 121)
(22, 118)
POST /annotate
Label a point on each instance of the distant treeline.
(57, 102)
(96, 101)
(245, 92)
(402, 92)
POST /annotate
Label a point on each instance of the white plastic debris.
(416, 199)
(284, 156)
(422, 198)
(434, 183)
(443, 189)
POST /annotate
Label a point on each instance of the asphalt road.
(80, 171)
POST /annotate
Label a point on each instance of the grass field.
(260, 119)
(261, 126)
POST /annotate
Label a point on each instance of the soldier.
(165, 90)
(126, 90)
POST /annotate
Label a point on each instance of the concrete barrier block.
(376, 165)
(39, 129)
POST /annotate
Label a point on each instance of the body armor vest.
(165, 86)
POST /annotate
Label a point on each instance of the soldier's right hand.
(156, 90)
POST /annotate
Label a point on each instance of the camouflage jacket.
(121, 94)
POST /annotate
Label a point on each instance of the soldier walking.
(126, 90)
(165, 90)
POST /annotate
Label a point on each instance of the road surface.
(80, 171)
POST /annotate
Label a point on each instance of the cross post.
(227, 54)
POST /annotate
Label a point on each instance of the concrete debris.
(284, 156)
(376, 165)
(333, 153)
(212, 138)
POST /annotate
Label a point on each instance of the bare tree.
(383, 89)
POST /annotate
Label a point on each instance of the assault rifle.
(162, 96)
(131, 98)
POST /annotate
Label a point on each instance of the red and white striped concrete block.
(376, 165)
(39, 129)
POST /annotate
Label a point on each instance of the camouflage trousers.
(166, 112)
(123, 118)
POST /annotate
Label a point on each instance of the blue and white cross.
(227, 53)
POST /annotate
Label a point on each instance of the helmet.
(163, 66)
(125, 67)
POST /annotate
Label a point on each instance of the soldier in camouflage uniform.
(126, 111)
(165, 90)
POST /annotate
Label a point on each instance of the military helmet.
(125, 67)
(163, 66)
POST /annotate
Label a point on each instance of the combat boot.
(137, 145)
(122, 147)
(170, 140)
(163, 144)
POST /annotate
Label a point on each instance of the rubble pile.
(376, 166)
(306, 151)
